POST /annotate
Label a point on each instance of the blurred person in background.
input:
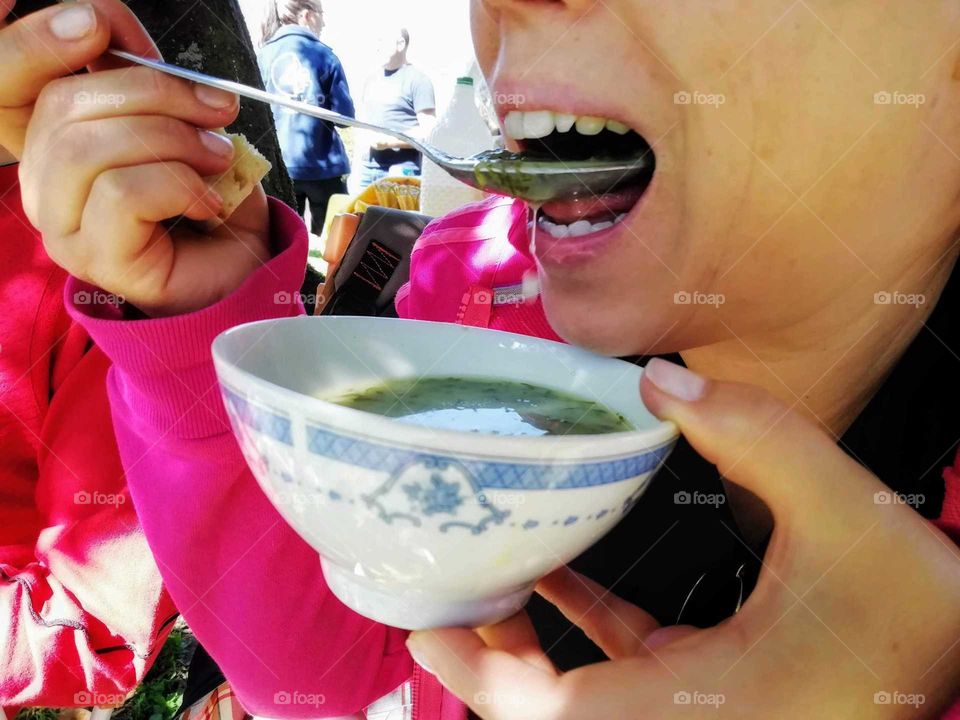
(293, 62)
(400, 97)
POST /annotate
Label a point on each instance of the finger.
(516, 636)
(617, 627)
(46, 45)
(119, 223)
(55, 42)
(758, 442)
(663, 637)
(62, 40)
(494, 683)
(157, 269)
(135, 91)
(126, 33)
(83, 151)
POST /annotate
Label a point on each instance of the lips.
(559, 136)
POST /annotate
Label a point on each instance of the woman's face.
(807, 153)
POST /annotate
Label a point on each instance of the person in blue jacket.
(293, 62)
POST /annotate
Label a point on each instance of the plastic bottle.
(463, 132)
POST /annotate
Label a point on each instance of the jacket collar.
(287, 30)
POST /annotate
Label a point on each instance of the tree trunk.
(211, 37)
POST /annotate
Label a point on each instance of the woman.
(293, 62)
(773, 248)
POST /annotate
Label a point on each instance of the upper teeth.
(540, 123)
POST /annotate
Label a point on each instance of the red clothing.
(248, 585)
(82, 608)
(949, 520)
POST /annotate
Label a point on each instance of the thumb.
(756, 441)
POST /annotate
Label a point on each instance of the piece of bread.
(249, 167)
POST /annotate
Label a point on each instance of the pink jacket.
(82, 607)
(248, 585)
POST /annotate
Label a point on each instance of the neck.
(395, 63)
(830, 364)
(827, 366)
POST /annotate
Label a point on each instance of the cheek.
(484, 29)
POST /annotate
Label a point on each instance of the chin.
(612, 327)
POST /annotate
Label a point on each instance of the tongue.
(595, 208)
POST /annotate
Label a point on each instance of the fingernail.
(216, 197)
(213, 97)
(216, 143)
(417, 654)
(74, 23)
(675, 380)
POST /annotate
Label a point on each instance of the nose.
(535, 6)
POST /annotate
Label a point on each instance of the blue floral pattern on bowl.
(444, 492)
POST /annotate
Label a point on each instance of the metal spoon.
(536, 181)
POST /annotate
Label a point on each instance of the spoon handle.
(270, 98)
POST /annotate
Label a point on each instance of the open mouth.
(549, 135)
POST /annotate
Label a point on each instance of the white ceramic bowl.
(416, 527)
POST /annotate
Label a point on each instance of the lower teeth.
(577, 229)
